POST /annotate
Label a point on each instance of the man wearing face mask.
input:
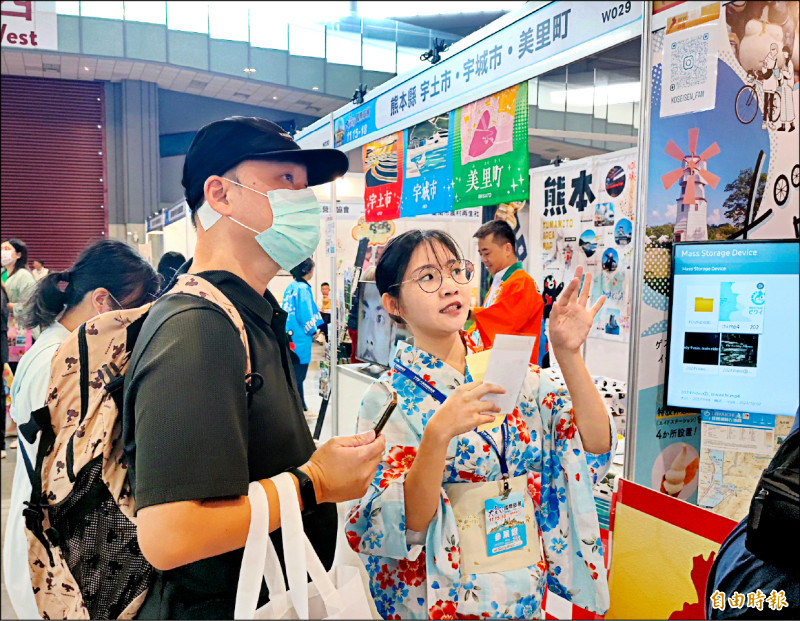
(195, 433)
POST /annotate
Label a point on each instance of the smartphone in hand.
(385, 414)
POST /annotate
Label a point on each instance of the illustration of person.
(786, 81)
(769, 84)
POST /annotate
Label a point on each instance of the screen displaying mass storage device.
(733, 327)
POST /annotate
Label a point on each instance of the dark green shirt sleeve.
(188, 399)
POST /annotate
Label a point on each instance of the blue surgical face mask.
(295, 230)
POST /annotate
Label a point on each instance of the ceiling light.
(274, 96)
(249, 69)
(86, 68)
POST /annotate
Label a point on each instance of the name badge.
(505, 523)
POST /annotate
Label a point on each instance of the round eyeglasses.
(429, 278)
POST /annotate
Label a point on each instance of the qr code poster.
(690, 70)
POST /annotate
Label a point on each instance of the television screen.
(376, 330)
(733, 327)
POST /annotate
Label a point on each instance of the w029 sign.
(617, 11)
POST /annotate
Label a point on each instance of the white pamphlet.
(508, 365)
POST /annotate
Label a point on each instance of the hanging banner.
(535, 38)
(587, 209)
(490, 159)
(354, 124)
(530, 46)
(383, 174)
(727, 173)
(428, 169)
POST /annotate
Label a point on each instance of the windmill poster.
(490, 160)
(587, 219)
(428, 183)
(383, 176)
(731, 172)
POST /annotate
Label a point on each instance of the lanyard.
(440, 397)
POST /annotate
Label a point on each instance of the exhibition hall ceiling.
(202, 83)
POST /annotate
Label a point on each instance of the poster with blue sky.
(428, 187)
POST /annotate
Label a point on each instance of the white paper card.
(508, 365)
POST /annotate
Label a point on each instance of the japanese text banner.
(537, 37)
(383, 174)
(428, 183)
(490, 162)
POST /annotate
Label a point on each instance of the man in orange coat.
(514, 304)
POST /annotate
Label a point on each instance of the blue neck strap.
(440, 397)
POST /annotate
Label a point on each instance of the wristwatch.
(307, 493)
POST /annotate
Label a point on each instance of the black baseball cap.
(221, 145)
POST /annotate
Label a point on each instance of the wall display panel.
(728, 173)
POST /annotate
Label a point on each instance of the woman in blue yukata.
(421, 529)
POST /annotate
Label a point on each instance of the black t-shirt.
(196, 438)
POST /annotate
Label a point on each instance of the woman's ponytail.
(109, 264)
(47, 301)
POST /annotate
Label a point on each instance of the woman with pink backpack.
(108, 275)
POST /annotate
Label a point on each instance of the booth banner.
(354, 124)
(663, 550)
(383, 174)
(537, 37)
(490, 162)
(29, 25)
(428, 183)
(587, 220)
(345, 211)
(731, 172)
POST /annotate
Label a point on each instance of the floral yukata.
(417, 575)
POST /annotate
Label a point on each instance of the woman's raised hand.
(463, 411)
(570, 319)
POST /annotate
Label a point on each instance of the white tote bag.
(337, 594)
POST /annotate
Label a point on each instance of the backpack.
(775, 509)
(84, 557)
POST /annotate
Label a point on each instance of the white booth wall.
(180, 237)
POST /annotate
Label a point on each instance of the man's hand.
(343, 467)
